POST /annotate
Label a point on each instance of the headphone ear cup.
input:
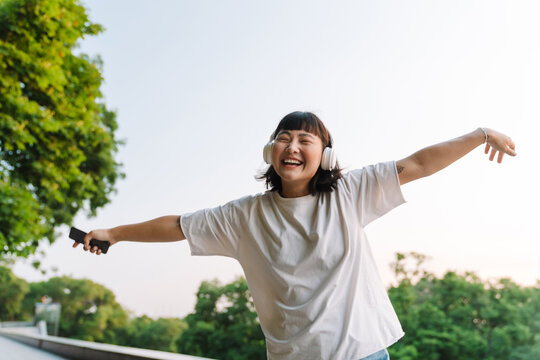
(267, 152)
(329, 159)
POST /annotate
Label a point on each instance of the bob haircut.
(323, 180)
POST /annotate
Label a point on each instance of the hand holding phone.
(78, 236)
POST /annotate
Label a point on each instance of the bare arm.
(162, 229)
(429, 160)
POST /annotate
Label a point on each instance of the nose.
(292, 147)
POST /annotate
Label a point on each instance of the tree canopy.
(12, 292)
(89, 311)
(57, 138)
(463, 317)
(147, 333)
(224, 324)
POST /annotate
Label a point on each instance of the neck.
(294, 191)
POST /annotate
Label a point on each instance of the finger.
(94, 249)
(500, 157)
(492, 155)
(486, 149)
(87, 239)
(99, 252)
(75, 244)
(511, 148)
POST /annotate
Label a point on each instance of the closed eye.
(283, 139)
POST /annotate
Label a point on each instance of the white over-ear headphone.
(328, 161)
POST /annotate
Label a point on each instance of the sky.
(198, 87)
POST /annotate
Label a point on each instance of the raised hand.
(500, 143)
(104, 235)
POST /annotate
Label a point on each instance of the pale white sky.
(199, 86)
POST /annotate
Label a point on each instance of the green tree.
(144, 332)
(89, 310)
(462, 317)
(224, 324)
(56, 135)
(12, 292)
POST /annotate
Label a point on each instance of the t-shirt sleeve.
(375, 189)
(215, 231)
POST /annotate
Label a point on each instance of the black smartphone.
(78, 236)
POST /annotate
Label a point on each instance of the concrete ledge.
(13, 324)
(87, 350)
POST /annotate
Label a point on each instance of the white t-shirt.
(308, 264)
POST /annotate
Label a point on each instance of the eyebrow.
(305, 134)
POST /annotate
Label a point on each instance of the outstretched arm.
(429, 160)
(162, 229)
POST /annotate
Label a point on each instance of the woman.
(302, 244)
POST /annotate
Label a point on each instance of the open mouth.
(291, 162)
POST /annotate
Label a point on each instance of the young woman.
(302, 244)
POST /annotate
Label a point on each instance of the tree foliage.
(144, 332)
(89, 310)
(56, 137)
(461, 317)
(224, 324)
(12, 292)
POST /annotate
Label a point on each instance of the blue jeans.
(379, 355)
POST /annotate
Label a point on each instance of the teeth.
(289, 161)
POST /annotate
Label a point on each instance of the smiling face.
(302, 136)
(296, 157)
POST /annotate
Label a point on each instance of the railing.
(83, 350)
